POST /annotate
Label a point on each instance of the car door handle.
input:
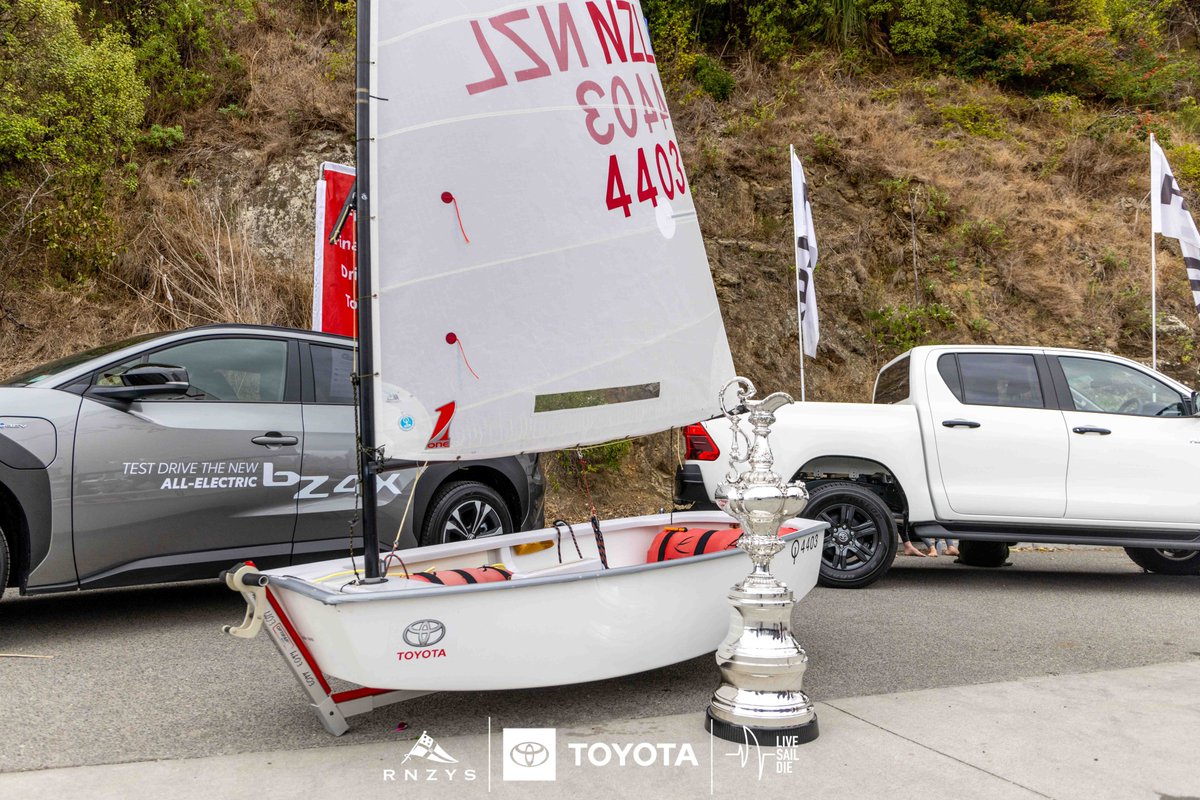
(959, 423)
(274, 439)
(1091, 429)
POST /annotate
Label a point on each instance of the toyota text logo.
(529, 754)
(424, 632)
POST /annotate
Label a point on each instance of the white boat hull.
(541, 628)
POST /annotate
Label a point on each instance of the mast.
(368, 466)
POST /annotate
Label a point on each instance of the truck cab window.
(1000, 379)
(1108, 388)
(892, 385)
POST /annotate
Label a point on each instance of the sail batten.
(538, 256)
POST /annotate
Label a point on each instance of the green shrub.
(600, 458)
(826, 148)
(903, 327)
(1073, 57)
(1187, 116)
(974, 119)
(715, 80)
(161, 137)
(1185, 163)
(926, 27)
(70, 107)
(184, 52)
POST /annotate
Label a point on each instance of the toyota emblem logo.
(529, 754)
(424, 632)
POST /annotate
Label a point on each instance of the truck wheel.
(465, 510)
(1166, 562)
(860, 543)
(983, 554)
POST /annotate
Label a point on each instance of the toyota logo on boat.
(529, 754)
(424, 632)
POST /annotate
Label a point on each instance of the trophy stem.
(762, 665)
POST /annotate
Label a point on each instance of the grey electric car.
(170, 456)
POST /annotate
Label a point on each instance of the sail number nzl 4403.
(529, 44)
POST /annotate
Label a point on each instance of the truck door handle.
(1091, 429)
(274, 439)
(959, 423)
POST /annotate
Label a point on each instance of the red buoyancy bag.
(686, 542)
(461, 577)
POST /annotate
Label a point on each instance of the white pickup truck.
(989, 445)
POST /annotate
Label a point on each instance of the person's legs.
(909, 548)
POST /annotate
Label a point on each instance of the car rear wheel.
(860, 543)
(465, 510)
(1166, 562)
(983, 554)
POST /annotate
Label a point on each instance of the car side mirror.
(145, 380)
(1195, 404)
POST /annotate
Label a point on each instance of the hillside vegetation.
(979, 173)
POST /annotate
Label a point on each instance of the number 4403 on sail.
(668, 168)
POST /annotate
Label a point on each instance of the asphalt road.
(140, 674)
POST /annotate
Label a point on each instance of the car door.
(1001, 441)
(327, 497)
(1134, 453)
(176, 487)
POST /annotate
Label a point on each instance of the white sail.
(539, 273)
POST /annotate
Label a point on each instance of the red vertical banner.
(335, 255)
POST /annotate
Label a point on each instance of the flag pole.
(801, 355)
(1153, 278)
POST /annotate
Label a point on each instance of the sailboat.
(532, 275)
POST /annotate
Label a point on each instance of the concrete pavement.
(1126, 734)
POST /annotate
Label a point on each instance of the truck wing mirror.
(145, 380)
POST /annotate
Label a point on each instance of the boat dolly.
(263, 611)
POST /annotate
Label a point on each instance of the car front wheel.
(860, 542)
(1166, 562)
(465, 510)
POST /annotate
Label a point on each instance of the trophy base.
(762, 736)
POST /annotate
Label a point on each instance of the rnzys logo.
(427, 749)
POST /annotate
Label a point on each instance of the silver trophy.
(762, 665)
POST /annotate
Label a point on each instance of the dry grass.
(195, 263)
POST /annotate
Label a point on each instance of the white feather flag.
(1169, 216)
(806, 259)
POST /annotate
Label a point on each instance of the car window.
(223, 370)
(1000, 379)
(332, 368)
(892, 386)
(1109, 388)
